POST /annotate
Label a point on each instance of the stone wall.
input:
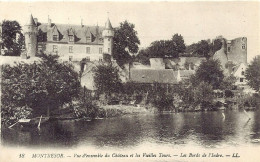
(157, 63)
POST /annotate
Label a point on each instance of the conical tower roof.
(31, 21)
(108, 24)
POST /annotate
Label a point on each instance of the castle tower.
(30, 34)
(108, 34)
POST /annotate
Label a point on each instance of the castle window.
(108, 50)
(243, 46)
(100, 50)
(108, 39)
(88, 50)
(70, 58)
(242, 73)
(228, 49)
(71, 38)
(39, 48)
(55, 48)
(100, 59)
(55, 37)
(241, 79)
(70, 49)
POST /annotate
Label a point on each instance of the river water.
(175, 130)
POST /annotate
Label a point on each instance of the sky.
(155, 20)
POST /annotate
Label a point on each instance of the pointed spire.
(31, 21)
(108, 24)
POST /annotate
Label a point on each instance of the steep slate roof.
(170, 62)
(153, 75)
(186, 73)
(80, 32)
(31, 21)
(108, 24)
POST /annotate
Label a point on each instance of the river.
(174, 130)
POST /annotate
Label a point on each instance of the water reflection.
(206, 129)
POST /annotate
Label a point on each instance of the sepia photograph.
(129, 81)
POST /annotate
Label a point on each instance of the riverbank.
(119, 110)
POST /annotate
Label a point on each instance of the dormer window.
(71, 38)
(88, 39)
(243, 46)
(55, 38)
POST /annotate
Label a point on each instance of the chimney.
(81, 23)
(49, 21)
(35, 21)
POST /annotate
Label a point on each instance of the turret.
(108, 34)
(30, 34)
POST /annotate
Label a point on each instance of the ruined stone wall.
(157, 63)
(221, 56)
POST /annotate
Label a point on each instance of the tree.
(125, 42)
(167, 48)
(179, 43)
(203, 94)
(192, 49)
(252, 74)
(228, 83)
(162, 48)
(106, 79)
(13, 38)
(210, 72)
(41, 86)
(203, 48)
(216, 45)
(143, 57)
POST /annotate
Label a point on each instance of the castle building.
(70, 42)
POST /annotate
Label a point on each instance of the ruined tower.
(237, 50)
(30, 34)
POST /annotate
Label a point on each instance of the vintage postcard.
(130, 81)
